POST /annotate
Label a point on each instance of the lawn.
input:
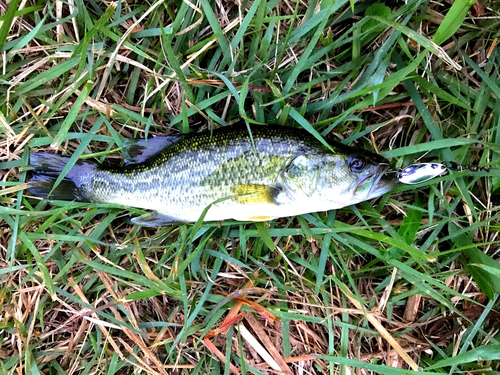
(405, 283)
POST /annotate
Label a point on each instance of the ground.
(405, 282)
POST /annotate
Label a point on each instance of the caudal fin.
(47, 168)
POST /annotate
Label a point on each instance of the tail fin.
(47, 168)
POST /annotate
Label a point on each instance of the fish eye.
(357, 164)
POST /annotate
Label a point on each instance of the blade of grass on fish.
(99, 154)
(196, 227)
(44, 141)
(307, 126)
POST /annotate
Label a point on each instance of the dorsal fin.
(136, 151)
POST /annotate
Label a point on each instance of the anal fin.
(155, 219)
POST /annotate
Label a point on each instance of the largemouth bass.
(278, 172)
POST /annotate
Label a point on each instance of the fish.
(246, 173)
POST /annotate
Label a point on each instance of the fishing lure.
(421, 172)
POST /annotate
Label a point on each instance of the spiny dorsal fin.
(136, 151)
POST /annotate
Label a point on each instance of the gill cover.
(303, 173)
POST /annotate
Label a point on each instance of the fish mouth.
(382, 181)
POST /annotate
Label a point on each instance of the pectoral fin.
(155, 219)
(252, 194)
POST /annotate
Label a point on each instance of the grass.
(407, 282)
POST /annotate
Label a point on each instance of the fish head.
(334, 180)
(350, 176)
(369, 175)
